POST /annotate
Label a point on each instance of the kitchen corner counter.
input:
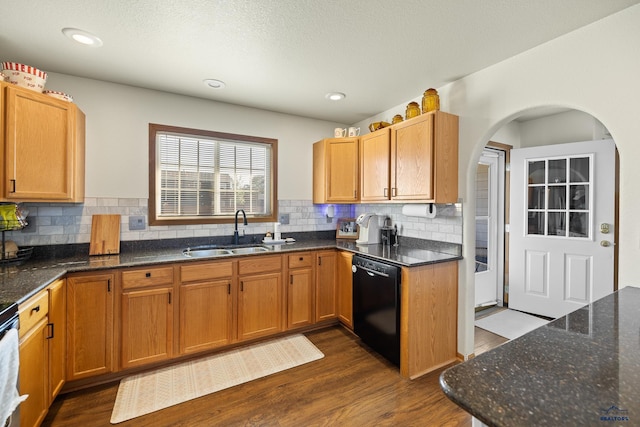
(582, 369)
(18, 283)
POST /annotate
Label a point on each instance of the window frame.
(154, 128)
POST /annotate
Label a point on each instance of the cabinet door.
(375, 149)
(205, 315)
(57, 337)
(345, 289)
(34, 375)
(326, 285)
(260, 305)
(412, 159)
(90, 325)
(300, 292)
(40, 148)
(147, 326)
(335, 170)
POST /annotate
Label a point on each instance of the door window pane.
(580, 169)
(557, 171)
(552, 199)
(482, 244)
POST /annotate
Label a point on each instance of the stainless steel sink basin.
(249, 250)
(196, 253)
(212, 251)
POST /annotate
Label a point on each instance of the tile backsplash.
(54, 224)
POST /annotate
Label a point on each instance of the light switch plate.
(283, 219)
(137, 223)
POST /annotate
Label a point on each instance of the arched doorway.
(541, 127)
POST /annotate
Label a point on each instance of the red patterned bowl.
(24, 75)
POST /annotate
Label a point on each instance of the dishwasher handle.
(370, 271)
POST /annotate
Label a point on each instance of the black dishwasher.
(376, 306)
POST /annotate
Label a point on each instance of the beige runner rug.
(151, 391)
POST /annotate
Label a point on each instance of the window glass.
(205, 177)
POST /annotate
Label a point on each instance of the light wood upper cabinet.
(424, 159)
(375, 166)
(335, 170)
(412, 161)
(43, 139)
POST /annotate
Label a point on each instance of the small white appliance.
(369, 229)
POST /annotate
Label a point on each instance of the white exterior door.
(561, 253)
(489, 265)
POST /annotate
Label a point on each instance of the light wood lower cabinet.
(42, 330)
(207, 292)
(300, 290)
(57, 338)
(260, 300)
(34, 369)
(345, 288)
(147, 326)
(90, 325)
(428, 318)
(326, 285)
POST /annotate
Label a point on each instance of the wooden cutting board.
(105, 235)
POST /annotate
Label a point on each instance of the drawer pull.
(147, 274)
(301, 259)
(36, 309)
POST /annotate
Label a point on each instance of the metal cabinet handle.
(36, 309)
(147, 274)
(50, 335)
(13, 183)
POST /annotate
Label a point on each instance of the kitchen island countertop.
(18, 283)
(582, 369)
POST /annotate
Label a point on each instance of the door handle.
(606, 243)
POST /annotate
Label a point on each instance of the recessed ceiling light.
(335, 96)
(82, 37)
(214, 83)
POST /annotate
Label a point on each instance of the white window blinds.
(208, 177)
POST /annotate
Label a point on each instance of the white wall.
(118, 135)
(570, 126)
(595, 70)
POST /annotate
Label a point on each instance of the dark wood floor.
(350, 386)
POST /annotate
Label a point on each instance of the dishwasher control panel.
(371, 265)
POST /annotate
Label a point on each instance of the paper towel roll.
(420, 210)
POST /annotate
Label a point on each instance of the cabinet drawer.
(35, 309)
(209, 270)
(147, 277)
(304, 259)
(259, 264)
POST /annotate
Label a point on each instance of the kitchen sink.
(249, 250)
(213, 251)
(196, 253)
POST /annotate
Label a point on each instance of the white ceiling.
(285, 55)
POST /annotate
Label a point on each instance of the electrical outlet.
(137, 223)
(283, 219)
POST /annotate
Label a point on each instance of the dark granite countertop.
(20, 282)
(582, 369)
